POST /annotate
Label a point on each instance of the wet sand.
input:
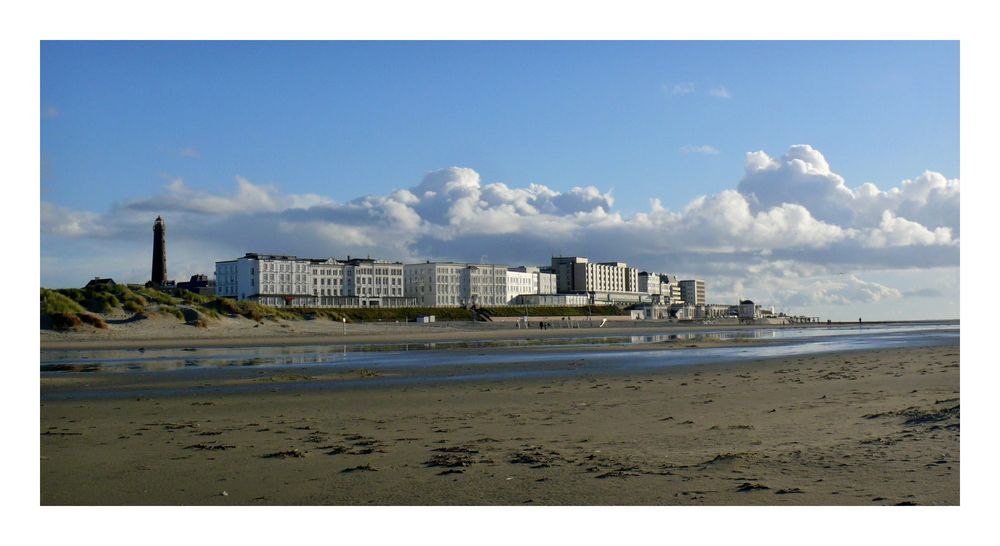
(852, 428)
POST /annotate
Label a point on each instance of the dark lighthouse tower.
(159, 253)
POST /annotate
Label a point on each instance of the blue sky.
(317, 126)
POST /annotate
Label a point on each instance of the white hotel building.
(604, 282)
(663, 289)
(453, 284)
(301, 282)
(693, 291)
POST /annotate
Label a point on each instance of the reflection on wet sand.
(331, 367)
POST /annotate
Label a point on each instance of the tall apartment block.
(693, 292)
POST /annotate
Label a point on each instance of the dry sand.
(857, 428)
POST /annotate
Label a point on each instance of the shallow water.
(781, 341)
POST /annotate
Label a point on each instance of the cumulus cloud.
(896, 231)
(803, 176)
(786, 232)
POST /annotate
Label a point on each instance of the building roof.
(97, 281)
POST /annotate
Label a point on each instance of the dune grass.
(61, 312)
(156, 296)
(55, 302)
(68, 305)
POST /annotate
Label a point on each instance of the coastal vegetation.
(68, 308)
(60, 312)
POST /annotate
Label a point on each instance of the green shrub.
(133, 307)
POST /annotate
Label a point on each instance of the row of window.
(282, 289)
(284, 267)
(361, 292)
(282, 277)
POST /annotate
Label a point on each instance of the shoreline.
(165, 333)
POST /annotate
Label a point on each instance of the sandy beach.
(876, 427)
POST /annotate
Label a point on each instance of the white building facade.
(693, 292)
(451, 284)
(455, 284)
(526, 280)
(279, 280)
(662, 289)
(606, 282)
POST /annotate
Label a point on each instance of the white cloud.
(784, 234)
(794, 285)
(847, 290)
(683, 88)
(63, 222)
(704, 150)
(897, 231)
(687, 88)
(720, 91)
(803, 176)
(189, 151)
(248, 198)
